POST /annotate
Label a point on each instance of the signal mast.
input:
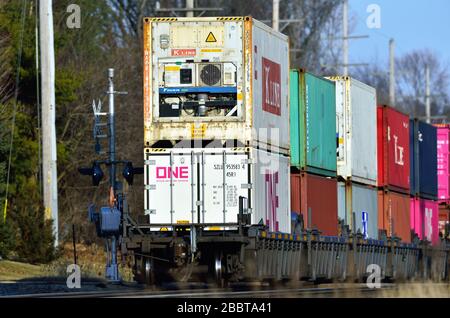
(109, 219)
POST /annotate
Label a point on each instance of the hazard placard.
(210, 38)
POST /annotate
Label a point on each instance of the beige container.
(216, 78)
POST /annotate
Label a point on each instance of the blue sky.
(414, 24)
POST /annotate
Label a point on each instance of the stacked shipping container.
(218, 80)
(394, 214)
(423, 180)
(313, 123)
(423, 159)
(216, 122)
(313, 151)
(359, 204)
(425, 219)
(443, 171)
(393, 173)
(356, 129)
(443, 153)
(315, 198)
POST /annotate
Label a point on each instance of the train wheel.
(219, 270)
(144, 270)
(149, 271)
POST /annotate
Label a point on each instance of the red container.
(444, 218)
(319, 194)
(393, 149)
(394, 214)
(425, 219)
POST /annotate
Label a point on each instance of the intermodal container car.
(356, 116)
(423, 160)
(443, 162)
(394, 214)
(425, 219)
(393, 149)
(216, 78)
(360, 204)
(313, 123)
(316, 195)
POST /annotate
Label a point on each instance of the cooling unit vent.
(210, 74)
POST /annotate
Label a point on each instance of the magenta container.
(425, 219)
(443, 163)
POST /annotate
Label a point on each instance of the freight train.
(254, 171)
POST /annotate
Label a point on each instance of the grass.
(12, 271)
(90, 258)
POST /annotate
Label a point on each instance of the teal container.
(313, 123)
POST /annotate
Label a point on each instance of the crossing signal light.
(129, 171)
(96, 172)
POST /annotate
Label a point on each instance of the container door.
(341, 129)
(413, 158)
(221, 188)
(271, 191)
(397, 143)
(294, 118)
(431, 221)
(427, 160)
(320, 123)
(365, 209)
(170, 188)
(363, 133)
(443, 163)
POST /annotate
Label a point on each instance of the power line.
(16, 95)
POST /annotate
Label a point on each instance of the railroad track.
(240, 292)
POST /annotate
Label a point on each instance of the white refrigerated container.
(216, 78)
(191, 186)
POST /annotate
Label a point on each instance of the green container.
(313, 123)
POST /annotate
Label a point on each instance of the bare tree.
(376, 76)
(315, 22)
(410, 83)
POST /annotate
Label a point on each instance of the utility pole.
(49, 171)
(392, 72)
(345, 37)
(276, 15)
(190, 6)
(427, 94)
(345, 40)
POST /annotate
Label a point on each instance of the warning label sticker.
(211, 38)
